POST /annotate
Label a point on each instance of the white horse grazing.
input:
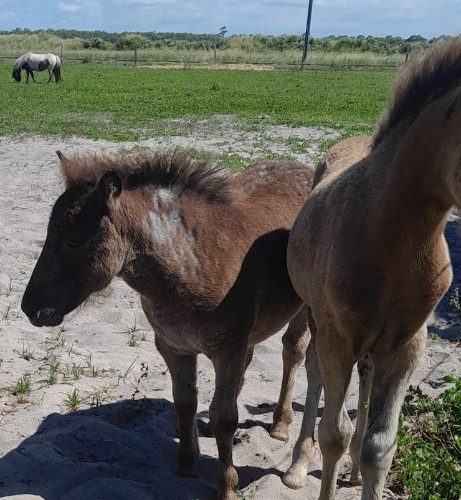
(38, 62)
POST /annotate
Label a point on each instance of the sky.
(268, 17)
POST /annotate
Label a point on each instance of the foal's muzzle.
(43, 317)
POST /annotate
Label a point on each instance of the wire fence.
(181, 63)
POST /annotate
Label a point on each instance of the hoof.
(356, 481)
(295, 479)
(228, 485)
(230, 495)
(279, 432)
(184, 471)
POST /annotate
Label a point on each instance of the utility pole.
(221, 34)
(306, 35)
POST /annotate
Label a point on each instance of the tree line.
(103, 40)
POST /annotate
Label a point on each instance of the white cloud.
(92, 8)
(68, 7)
(5, 15)
(86, 9)
(143, 3)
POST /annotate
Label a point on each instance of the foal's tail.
(57, 70)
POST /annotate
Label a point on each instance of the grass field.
(126, 103)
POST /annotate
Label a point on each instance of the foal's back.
(341, 156)
(275, 186)
(247, 238)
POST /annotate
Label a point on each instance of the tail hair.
(57, 72)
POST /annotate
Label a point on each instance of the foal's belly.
(271, 322)
(179, 331)
(189, 333)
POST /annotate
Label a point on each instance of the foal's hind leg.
(365, 369)
(229, 364)
(183, 371)
(390, 382)
(304, 450)
(295, 341)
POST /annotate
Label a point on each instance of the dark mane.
(420, 84)
(176, 170)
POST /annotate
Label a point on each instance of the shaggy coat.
(206, 251)
(368, 256)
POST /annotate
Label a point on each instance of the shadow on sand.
(445, 322)
(124, 450)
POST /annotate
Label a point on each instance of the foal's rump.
(276, 183)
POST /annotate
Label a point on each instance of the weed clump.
(427, 464)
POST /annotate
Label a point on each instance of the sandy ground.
(121, 442)
(240, 67)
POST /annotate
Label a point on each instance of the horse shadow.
(124, 450)
(445, 322)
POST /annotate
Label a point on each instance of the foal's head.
(17, 74)
(82, 251)
(86, 242)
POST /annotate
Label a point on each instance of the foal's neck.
(410, 205)
(416, 194)
(159, 243)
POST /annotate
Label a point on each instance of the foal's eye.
(72, 243)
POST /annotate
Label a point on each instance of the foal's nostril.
(40, 316)
(27, 308)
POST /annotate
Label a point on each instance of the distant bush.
(97, 43)
(102, 40)
(131, 41)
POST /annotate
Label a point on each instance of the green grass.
(22, 388)
(73, 400)
(427, 464)
(126, 103)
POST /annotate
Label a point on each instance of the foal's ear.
(65, 162)
(68, 168)
(109, 187)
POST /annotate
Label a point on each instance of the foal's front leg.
(31, 73)
(183, 370)
(335, 429)
(392, 371)
(207, 430)
(229, 363)
(365, 369)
